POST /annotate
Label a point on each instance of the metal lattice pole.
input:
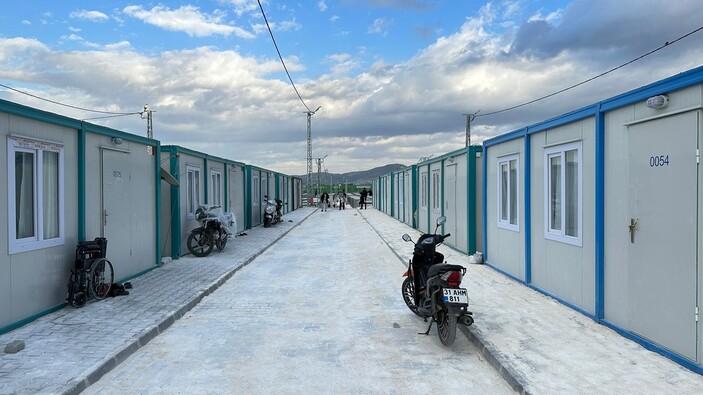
(310, 114)
(309, 184)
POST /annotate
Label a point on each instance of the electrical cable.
(67, 105)
(666, 44)
(281, 57)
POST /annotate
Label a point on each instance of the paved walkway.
(543, 347)
(71, 348)
(538, 345)
(326, 321)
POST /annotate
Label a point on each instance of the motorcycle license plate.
(456, 295)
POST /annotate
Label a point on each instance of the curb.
(488, 350)
(76, 386)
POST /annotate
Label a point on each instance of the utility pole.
(310, 114)
(469, 118)
(319, 170)
(147, 114)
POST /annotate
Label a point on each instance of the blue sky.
(392, 76)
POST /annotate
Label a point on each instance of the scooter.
(214, 230)
(272, 212)
(432, 289)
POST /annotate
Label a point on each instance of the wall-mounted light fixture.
(659, 101)
(117, 141)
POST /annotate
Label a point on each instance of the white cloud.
(321, 5)
(187, 19)
(241, 7)
(379, 26)
(95, 16)
(233, 105)
(26, 22)
(334, 18)
(72, 37)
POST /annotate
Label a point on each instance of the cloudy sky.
(393, 77)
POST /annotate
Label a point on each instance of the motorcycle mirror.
(441, 220)
(406, 237)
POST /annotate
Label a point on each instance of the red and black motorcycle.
(432, 289)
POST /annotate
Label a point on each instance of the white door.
(116, 206)
(661, 233)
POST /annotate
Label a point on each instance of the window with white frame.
(35, 194)
(562, 190)
(435, 190)
(508, 191)
(423, 190)
(215, 187)
(193, 190)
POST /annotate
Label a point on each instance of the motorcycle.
(215, 228)
(431, 288)
(272, 212)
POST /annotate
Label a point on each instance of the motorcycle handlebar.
(447, 235)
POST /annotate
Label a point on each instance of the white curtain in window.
(555, 193)
(571, 192)
(50, 194)
(24, 194)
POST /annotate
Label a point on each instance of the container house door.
(116, 214)
(661, 233)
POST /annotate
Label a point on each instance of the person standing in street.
(324, 200)
(342, 200)
(362, 199)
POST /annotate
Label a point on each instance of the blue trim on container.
(679, 81)
(600, 216)
(157, 201)
(504, 137)
(654, 347)
(484, 202)
(175, 204)
(573, 116)
(528, 210)
(562, 301)
(25, 321)
(81, 183)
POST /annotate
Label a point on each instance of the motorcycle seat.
(442, 268)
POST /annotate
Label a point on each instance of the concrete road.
(319, 312)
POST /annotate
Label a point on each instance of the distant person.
(324, 200)
(362, 199)
(342, 200)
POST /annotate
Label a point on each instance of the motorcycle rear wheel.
(221, 239)
(408, 290)
(446, 327)
(200, 243)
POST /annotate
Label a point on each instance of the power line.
(281, 57)
(666, 44)
(68, 105)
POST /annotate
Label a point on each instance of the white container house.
(68, 181)
(601, 209)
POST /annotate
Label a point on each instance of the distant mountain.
(364, 177)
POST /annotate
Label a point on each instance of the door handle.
(105, 214)
(634, 222)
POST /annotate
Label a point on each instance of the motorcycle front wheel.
(408, 290)
(200, 243)
(267, 222)
(446, 326)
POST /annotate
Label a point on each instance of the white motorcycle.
(216, 226)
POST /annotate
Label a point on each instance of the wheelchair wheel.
(101, 278)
